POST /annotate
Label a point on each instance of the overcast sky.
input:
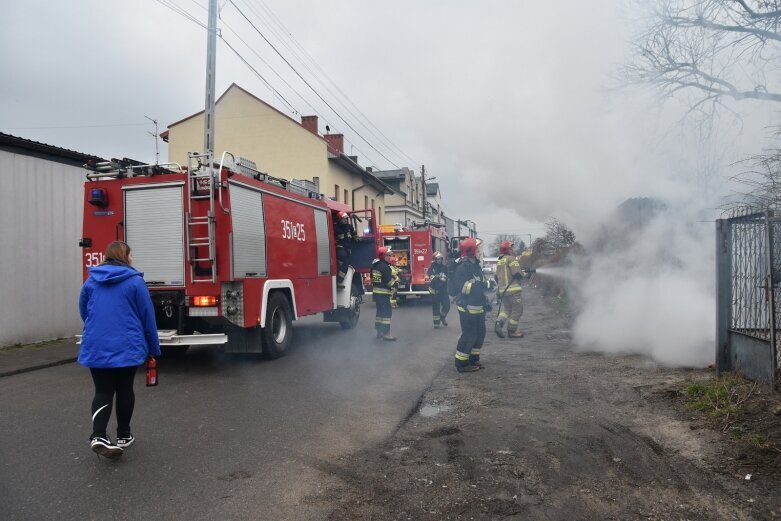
(510, 104)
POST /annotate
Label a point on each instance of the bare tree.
(518, 244)
(710, 49)
(761, 180)
(708, 52)
(557, 235)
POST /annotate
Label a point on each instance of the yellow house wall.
(379, 201)
(279, 146)
(251, 129)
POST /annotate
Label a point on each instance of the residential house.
(434, 211)
(405, 205)
(249, 127)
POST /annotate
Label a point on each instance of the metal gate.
(748, 285)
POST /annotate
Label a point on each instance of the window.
(336, 192)
(366, 201)
(345, 196)
(372, 204)
(379, 214)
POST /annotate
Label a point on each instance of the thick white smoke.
(653, 293)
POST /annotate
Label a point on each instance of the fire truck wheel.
(279, 326)
(354, 313)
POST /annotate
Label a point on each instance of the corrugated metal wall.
(40, 227)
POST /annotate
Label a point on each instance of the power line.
(181, 11)
(384, 140)
(186, 15)
(275, 91)
(309, 84)
(77, 126)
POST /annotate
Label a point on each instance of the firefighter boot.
(499, 328)
(475, 360)
(466, 368)
(515, 334)
(444, 322)
(388, 337)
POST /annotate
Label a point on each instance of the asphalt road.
(221, 437)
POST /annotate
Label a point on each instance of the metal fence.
(748, 277)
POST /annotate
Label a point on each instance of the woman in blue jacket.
(120, 333)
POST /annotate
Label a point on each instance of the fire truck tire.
(354, 313)
(278, 332)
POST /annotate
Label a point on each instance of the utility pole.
(423, 182)
(211, 62)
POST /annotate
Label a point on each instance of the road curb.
(37, 367)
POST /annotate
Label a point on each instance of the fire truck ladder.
(200, 227)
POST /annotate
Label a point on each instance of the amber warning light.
(204, 301)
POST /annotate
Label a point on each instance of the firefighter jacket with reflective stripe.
(437, 274)
(469, 277)
(345, 235)
(508, 275)
(382, 277)
(395, 277)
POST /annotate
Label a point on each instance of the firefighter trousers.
(512, 309)
(342, 256)
(472, 337)
(382, 320)
(440, 306)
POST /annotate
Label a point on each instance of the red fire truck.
(413, 247)
(231, 255)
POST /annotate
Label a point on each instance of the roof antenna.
(154, 135)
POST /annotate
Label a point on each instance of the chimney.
(335, 143)
(309, 123)
(369, 169)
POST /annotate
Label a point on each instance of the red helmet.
(436, 256)
(505, 247)
(468, 247)
(383, 252)
(392, 261)
(341, 215)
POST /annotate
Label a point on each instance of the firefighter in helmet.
(382, 287)
(437, 288)
(472, 305)
(345, 236)
(396, 280)
(508, 279)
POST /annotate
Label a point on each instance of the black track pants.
(108, 382)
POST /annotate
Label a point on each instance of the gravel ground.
(546, 432)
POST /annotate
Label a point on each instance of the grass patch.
(722, 397)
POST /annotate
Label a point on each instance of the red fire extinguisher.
(151, 372)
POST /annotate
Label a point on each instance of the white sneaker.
(124, 442)
(103, 447)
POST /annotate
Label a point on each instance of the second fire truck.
(413, 247)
